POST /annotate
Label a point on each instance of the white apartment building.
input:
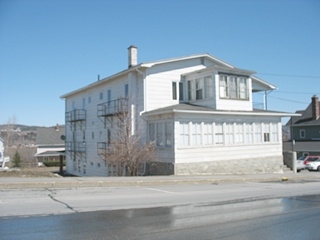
(197, 109)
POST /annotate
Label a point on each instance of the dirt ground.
(30, 172)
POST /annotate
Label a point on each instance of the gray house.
(50, 143)
(305, 131)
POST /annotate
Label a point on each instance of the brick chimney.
(132, 56)
(315, 108)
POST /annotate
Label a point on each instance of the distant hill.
(20, 135)
(18, 126)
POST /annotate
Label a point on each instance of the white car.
(315, 165)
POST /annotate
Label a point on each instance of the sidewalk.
(77, 182)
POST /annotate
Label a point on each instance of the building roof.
(50, 135)
(145, 65)
(305, 118)
(196, 109)
(50, 154)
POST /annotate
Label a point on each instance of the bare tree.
(126, 149)
(8, 133)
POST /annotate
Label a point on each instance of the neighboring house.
(305, 131)
(50, 143)
(198, 110)
(3, 159)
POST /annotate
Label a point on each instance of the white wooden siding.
(231, 104)
(159, 83)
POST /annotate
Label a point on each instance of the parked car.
(300, 165)
(315, 165)
(307, 159)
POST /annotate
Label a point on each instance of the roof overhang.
(208, 111)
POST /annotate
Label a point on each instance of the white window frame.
(161, 133)
(199, 89)
(184, 134)
(208, 133)
(208, 87)
(219, 138)
(196, 134)
(234, 87)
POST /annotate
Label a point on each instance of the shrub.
(53, 163)
(16, 160)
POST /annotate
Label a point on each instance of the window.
(249, 133)
(184, 134)
(302, 133)
(218, 134)
(229, 133)
(174, 90)
(207, 133)
(180, 91)
(239, 133)
(152, 131)
(89, 99)
(274, 132)
(196, 134)
(266, 132)
(190, 90)
(109, 136)
(199, 89)
(232, 82)
(168, 134)
(161, 133)
(257, 133)
(160, 138)
(109, 95)
(224, 86)
(126, 90)
(101, 96)
(233, 87)
(208, 87)
(83, 103)
(243, 93)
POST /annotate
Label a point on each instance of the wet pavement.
(293, 218)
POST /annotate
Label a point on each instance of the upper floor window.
(126, 90)
(302, 133)
(174, 90)
(190, 90)
(208, 87)
(200, 88)
(180, 91)
(233, 87)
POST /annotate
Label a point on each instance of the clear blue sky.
(49, 48)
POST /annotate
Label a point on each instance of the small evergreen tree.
(16, 160)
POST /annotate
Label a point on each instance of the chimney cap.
(132, 46)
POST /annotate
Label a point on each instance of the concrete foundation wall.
(242, 166)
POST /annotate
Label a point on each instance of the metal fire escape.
(76, 147)
(106, 111)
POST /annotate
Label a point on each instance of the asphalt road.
(261, 211)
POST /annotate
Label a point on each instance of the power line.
(288, 100)
(286, 75)
(277, 91)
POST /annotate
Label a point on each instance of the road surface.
(225, 211)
